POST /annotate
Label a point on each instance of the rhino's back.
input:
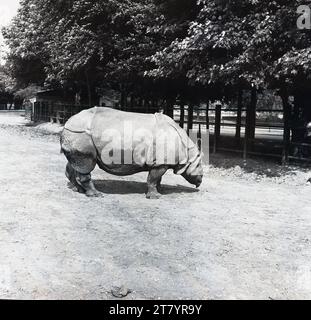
(81, 122)
(111, 119)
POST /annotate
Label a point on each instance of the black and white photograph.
(155, 150)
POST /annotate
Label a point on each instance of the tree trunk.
(190, 117)
(217, 127)
(140, 105)
(207, 114)
(250, 125)
(123, 97)
(78, 98)
(287, 126)
(170, 108)
(89, 91)
(239, 115)
(298, 118)
(252, 118)
(182, 115)
(132, 102)
(155, 105)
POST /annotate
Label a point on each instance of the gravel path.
(245, 234)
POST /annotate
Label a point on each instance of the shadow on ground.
(134, 187)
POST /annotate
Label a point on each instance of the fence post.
(217, 126)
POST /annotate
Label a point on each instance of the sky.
(8, 9)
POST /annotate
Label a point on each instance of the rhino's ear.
(181, 169)
(193, 166)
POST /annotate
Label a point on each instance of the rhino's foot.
(75, 188)
(93, 194)
(153, 195)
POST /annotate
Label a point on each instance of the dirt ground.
(244, 235)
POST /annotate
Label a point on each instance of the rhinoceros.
(124, 143)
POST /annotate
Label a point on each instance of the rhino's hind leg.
(78, 176)
(154, 181)
(82, 157)
(71, 174)
(84, 164)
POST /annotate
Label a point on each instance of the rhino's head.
(309, 129)
(194, 172)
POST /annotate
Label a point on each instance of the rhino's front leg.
(154, 181)
(85, 181)
(159, 185)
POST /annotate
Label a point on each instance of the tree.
(6, 89)
(81, 44)
(245, 44)
(193, 50)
